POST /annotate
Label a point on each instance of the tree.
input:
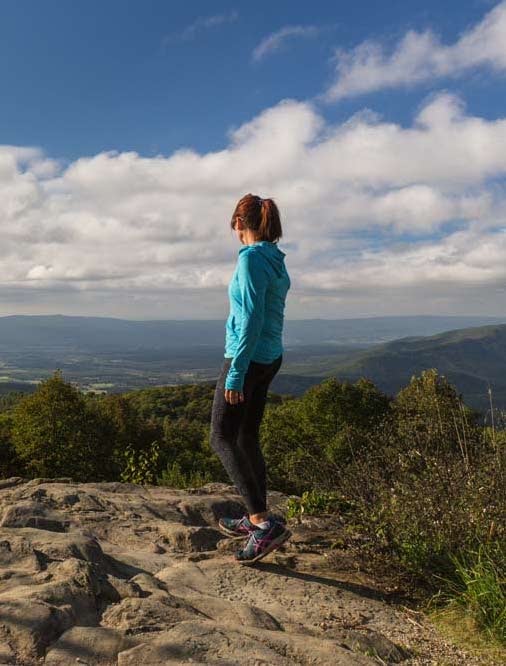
(187, 443)
(333, 404)
(293, 457)
(55, 433)
(10, 464)
(307, 441)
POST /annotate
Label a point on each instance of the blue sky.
(129, 129)
(85, 76)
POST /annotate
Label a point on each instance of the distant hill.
(108, 334)
(472, 359)
(116, 355)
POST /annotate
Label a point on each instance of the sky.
(129, 129)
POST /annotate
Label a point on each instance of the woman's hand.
(234, 397)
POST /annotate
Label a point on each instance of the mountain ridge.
(472, 359)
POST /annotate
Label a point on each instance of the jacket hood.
(270, 252)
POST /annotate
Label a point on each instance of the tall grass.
(481, 586)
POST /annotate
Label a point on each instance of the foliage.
(174, 477)
(141, 465)
(180, 415)
(480, 586)
(54, 433)
(314, 502)
(430, 414)
(187, 443)
(430, 488)
(10, 464)
(306, 442)
(189, 401)
(130, 436)
(10, 399)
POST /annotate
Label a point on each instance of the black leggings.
(235, 432)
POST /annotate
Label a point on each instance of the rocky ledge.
(114, 573)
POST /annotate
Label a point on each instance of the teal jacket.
(257, 294)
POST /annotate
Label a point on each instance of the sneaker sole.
(275, 543)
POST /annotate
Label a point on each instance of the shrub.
(313, 503)
(174, 477)
(141, 466)
(429, 489)
(430, 414)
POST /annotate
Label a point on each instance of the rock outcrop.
(111, 573)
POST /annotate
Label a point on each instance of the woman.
(253, 355)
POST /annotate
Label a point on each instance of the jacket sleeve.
(253, 280)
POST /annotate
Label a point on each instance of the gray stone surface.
(111, 573)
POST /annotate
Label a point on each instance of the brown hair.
(259, 215)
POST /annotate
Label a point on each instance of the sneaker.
(236, 527)
(262, 542)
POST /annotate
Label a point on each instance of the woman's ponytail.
(260, 215)
(270, 224)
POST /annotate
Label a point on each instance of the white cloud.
(420, 56)
(201, 24)
(276, 40)
(122, 234)
(463, 259)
